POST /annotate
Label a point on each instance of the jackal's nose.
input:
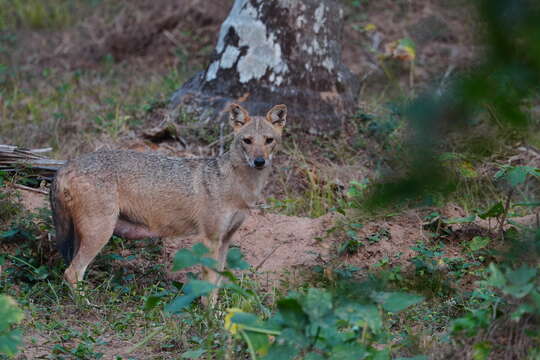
(259, 162)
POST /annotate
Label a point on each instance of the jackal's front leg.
(219, 246)
(212, 275)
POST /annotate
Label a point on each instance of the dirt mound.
(272, 242)
(391, 239)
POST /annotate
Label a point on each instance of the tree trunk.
(273, 52)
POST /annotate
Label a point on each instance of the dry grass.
(93, 83)
(74, 112)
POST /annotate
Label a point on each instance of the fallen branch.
(38, 190)
(14, 159)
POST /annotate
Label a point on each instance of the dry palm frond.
(16, 159)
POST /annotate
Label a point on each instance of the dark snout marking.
(259, 162)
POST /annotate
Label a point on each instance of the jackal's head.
(257, 137)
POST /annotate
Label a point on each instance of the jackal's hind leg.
(93, 233)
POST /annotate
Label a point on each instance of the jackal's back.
(164, 194)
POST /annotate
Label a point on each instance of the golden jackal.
(139, 195)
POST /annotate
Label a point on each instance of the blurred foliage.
(512, 294)
(10, 315)
(503, 87)
(501, 92)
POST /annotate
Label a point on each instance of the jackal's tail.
(66, 240)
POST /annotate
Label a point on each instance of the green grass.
(69, 111)
(41, 14)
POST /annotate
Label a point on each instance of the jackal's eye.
(269, 140)
(246, 141)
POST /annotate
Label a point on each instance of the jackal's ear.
(277, 116)
(238, 116)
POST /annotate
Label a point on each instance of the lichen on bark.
(272, 52)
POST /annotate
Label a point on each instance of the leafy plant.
(513, 176)
(10, 315)
(317, 324)
(320, 325)
(505, 292)
(195, 289)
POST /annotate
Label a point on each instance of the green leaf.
(530, 204)
(235, 259)
(500, 173)
(466, 169)
(535, 297)
(348, 352)
(193, 290)
(518, 174)
(9, 234)
(151, 302)
(494, 211)
(193, 354)
(41, 273)
(467, 324)
(481, 350)
(313, 356)
(357, 313)
(417, 357)
(398, 301)
(292, 314)
(245, 319)
(522, 310)
(10, 313)
(185, 258)
(496, 277)
(199, 249)
(279, 351)
(518, 291)
(237, 289)
(179, 303)
(462, 220)
(317, 303)
(478, 242)
(10, 341)
(371, 315)
(209, 262)
(294, 337)
(383, 354)
(522, 275)
(260, 343)
(254, 331)
(199, 287)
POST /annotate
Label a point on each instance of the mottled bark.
(273, 52)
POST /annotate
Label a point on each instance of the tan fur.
(138, 195)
